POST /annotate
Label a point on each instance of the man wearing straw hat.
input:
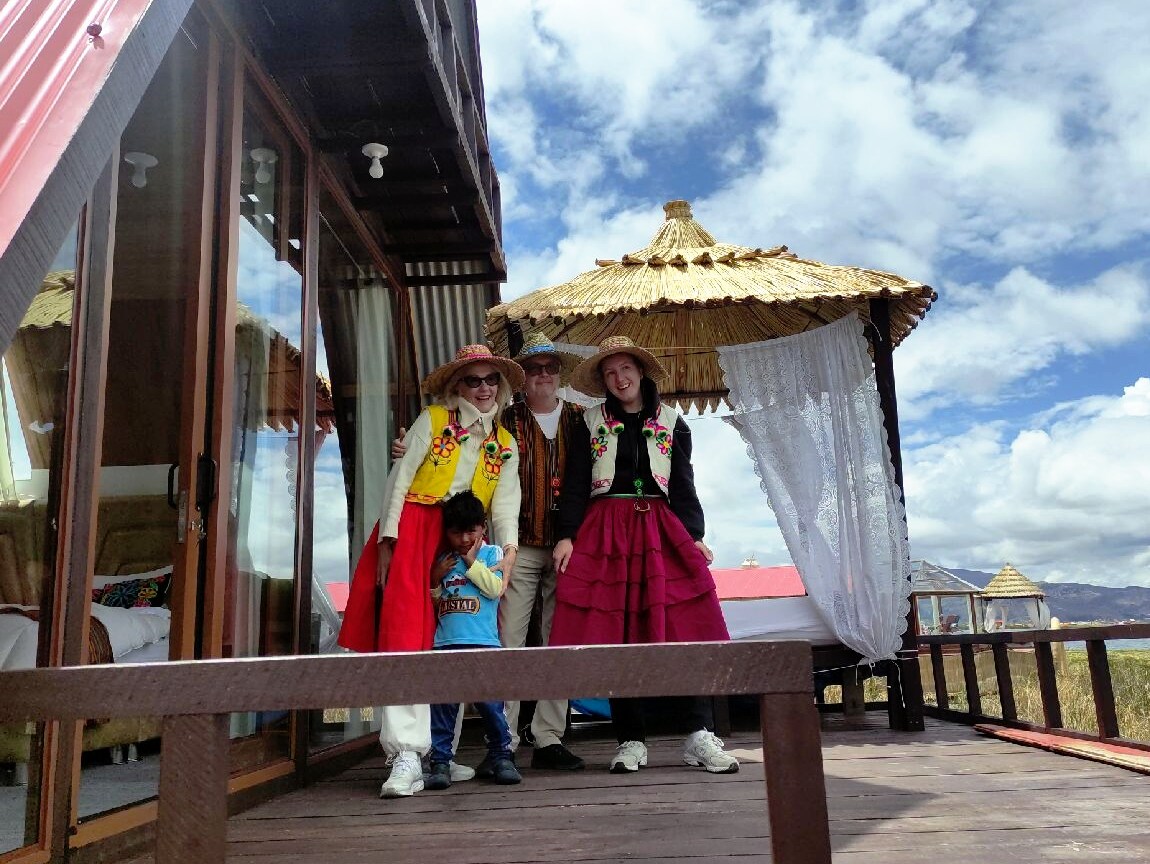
(543, 425)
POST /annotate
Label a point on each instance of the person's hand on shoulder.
(398, 448)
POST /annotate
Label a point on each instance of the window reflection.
(265, 412)
(357, 355)
(34, 383)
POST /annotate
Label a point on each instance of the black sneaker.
(555, 757)
(485, 770)
(504, 772)
(439, 777)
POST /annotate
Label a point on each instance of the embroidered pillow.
(151, 590)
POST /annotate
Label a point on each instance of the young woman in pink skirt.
(631, 559)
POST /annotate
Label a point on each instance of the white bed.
(777, 618)
(137, 635)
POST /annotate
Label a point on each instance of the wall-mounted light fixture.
(375, 152)
(140, 163)
(265, 158)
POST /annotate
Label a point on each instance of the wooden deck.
(946, 795)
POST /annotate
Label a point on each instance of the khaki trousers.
(534, 573)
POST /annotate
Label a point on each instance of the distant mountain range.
(1073, 601)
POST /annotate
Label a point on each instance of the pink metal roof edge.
(50, 76)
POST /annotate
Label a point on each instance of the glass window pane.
(155, 273)
(34, 383)
(265, 414)
(357, 364)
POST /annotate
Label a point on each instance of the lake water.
(1117, 645)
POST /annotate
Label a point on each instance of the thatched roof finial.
(677, 209)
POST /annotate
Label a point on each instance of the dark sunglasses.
(474, 381)
(551, 368)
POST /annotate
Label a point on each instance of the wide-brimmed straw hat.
(538, 346)
(586, 377)
(435, 383)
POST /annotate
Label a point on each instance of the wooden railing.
(1042, 641)
(196, 697)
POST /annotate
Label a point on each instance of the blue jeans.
(443, 717)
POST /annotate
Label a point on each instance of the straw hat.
(435, 383)
(538, 345)
(586, 377)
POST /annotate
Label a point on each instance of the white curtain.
(373, 409)
(807, 408)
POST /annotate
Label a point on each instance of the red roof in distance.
(752, 583)
(338, 592)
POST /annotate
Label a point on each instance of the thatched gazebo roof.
(1008, 582)
(686, 293)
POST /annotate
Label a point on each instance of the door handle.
(172, 469)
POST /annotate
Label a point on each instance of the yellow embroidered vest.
(432, 480)
(660, 435)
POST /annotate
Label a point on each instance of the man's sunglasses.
(552, 368)
(474, 381)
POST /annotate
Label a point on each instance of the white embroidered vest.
(659, 433)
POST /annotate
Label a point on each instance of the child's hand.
(442, 567)
(470, 555)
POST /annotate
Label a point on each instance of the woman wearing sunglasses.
(456, 444)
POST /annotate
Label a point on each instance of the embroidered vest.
(659, 433)
(432, 480)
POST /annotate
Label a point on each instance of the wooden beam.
(193, 805)
(281, 683)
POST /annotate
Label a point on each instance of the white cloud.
(976, 344)
(1064, 500)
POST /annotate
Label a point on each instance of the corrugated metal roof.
(447, 316)
(65, 97)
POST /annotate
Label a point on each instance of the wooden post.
(191, 826)
(1048, 685)
(1005, 682)
(904, 690)
(938, 667)
(1103, 687)
(796, 788)
(970, 676)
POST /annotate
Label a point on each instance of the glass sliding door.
(146, 539)
(356, 360)
(264, 414)
(35, 383)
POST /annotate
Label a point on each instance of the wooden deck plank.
(946, 793)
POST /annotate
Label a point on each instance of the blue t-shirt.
(466, 617)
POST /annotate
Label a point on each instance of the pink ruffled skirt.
(634, 578)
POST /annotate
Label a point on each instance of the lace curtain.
(807, 408)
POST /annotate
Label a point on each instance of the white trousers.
(405, 727)
(534, 573)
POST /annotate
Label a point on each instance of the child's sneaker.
(439, 777)
(704, 750)
(504, 772)
(406, 776)
(630, 757)
(460, 773)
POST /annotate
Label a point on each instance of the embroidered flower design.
(599, 446)
(442, 447)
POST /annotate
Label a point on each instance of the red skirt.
(635, 578)
(403, 619)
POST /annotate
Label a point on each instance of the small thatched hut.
(1013, 602)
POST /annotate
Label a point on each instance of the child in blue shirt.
(466, 591)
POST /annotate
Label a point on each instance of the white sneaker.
(704, 750)
(406, 776)
(630, 757)
(459, 773)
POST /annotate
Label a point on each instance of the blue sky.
(998, 152)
